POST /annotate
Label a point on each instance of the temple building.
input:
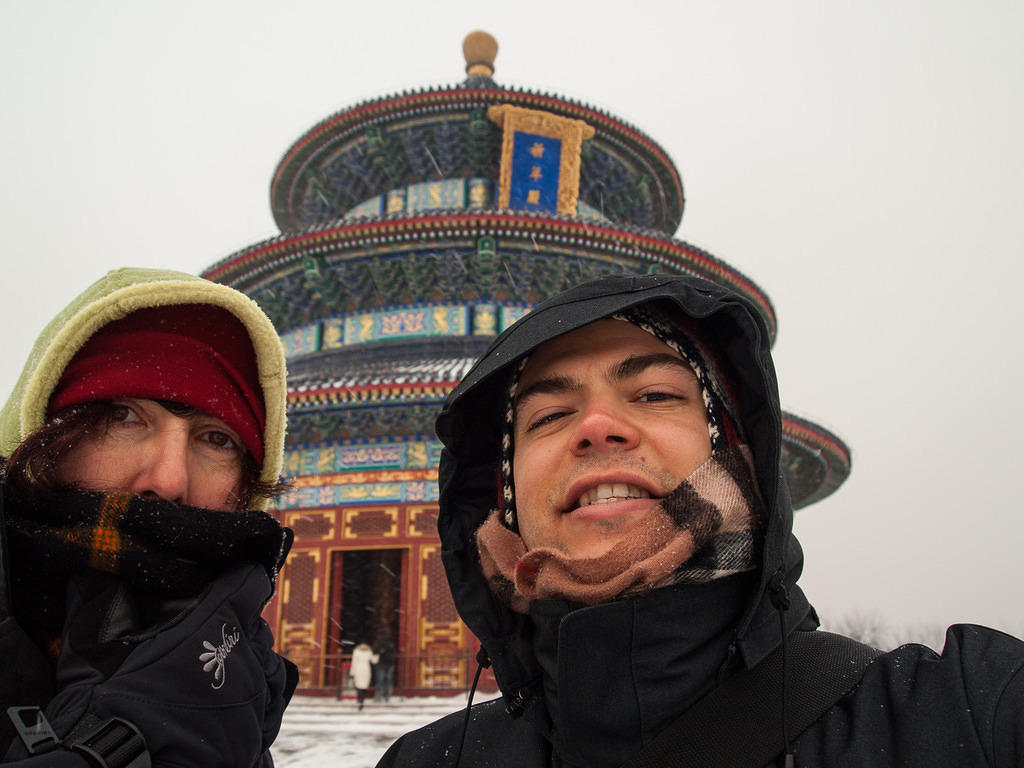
(414, 228)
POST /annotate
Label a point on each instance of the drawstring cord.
(482, 662)
(779, 597)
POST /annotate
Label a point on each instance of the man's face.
(193, 459)
(608, 420)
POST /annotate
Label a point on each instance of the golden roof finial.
(480, 49)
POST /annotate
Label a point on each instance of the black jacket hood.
(470, 426)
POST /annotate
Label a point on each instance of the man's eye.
(547, 418)
(657, 397)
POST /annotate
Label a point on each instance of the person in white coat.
(363, 659)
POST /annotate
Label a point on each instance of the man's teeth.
(606, 492)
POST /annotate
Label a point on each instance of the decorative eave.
(408, 381)
(334, 397)
(304, 158)
(276, 255)
(815, 461)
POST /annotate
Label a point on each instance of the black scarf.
(162, 550)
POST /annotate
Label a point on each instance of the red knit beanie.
(196, 354)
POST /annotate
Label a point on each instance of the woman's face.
(193, 458)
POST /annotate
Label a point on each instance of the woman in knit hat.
(140, 447)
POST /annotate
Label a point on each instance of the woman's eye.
(123, 414)
(220, 440)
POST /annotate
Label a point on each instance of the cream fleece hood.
(115, 295)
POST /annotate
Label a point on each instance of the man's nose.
(604, 426)
(164, 472)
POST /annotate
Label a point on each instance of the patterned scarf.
(706, 528)
(164, 551)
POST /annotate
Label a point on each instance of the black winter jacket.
(589, 686)
(204, 688)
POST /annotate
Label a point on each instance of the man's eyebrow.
(637, 364)
(550, 385)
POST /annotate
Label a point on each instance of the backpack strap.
(726, 728)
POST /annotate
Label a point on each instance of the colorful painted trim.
(377, 490)
(429, 321)
(345, 473)
(467, 193)
(330, 459)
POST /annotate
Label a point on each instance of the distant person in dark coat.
(384, 672)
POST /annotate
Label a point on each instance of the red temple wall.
(436, 650)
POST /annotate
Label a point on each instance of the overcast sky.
(861, 161)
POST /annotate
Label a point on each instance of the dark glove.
(205, 689)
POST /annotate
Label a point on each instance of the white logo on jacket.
(216, 655)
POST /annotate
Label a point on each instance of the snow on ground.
(325, 732)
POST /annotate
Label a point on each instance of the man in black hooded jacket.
(618, 534)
